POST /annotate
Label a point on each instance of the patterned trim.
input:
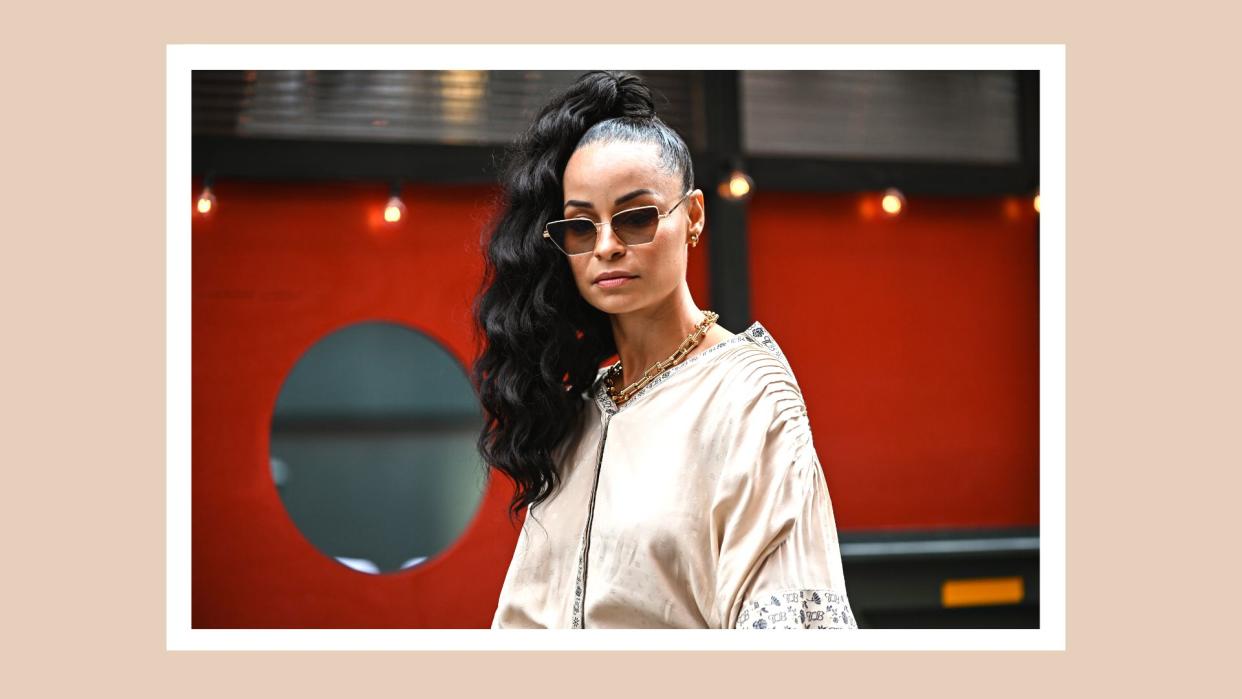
(760, 336)
(797, 609)
(604, 401)
(577, 616)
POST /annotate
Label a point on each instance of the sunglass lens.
(637, 226)
(573, 236)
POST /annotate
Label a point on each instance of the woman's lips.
(614, 282)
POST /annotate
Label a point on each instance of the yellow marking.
(981, 591)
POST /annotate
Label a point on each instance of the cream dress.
(699, 503)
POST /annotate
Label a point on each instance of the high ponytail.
(543, 343)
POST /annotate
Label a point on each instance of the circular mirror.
(373, 447)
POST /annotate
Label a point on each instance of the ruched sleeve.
(779, 561)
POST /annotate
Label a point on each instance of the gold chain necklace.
(691, 341)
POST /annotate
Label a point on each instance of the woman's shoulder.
(756, 344)
(758, 402)
(756, 367)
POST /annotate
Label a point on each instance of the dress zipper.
(580, 591)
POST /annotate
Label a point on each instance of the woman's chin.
(613, 305)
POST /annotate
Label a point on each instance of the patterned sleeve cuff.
(797, 609)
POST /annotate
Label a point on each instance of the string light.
(738, 185)
(394, 210)
(1035, 200)
(893, 201)
(206, 202)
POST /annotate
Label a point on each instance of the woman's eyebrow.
(620, 200)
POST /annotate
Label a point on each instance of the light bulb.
(893, 201)
(738, 186)
(394, 210)
(1035, 201)
(206, 201)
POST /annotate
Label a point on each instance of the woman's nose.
(607, 244)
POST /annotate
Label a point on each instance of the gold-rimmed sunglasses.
(637, 226)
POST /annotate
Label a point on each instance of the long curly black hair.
(543, 344)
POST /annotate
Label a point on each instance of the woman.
(678, 487)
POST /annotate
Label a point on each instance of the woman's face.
(596, 177)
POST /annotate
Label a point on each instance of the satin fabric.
(699, 503)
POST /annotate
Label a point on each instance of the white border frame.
(1047, 58)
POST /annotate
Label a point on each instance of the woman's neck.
(649, 336)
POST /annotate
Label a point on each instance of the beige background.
(1153, 350)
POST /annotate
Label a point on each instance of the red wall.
(275, 268)
(914, 340)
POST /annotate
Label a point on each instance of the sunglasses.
(638, 226)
